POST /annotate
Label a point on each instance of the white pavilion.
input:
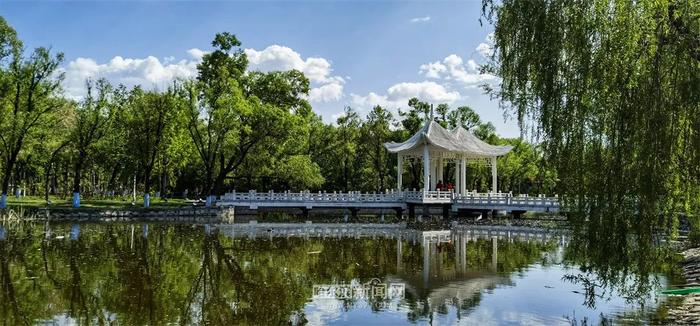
(437, 146)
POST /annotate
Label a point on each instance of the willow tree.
(612, 90)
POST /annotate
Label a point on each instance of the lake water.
(141, 274)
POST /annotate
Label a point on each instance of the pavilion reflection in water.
(436, 266)
(440, 280)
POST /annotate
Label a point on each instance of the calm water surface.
(141, 274)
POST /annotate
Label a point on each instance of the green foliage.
(463, 116)
(522, 170)
(612, 89)
(299, 172)
(151, 119)
(89, 124)
(231, 117)
(161, 274)
(27, 99)
(228, 128)
(374, 132)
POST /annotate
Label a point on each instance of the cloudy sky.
(356, 53)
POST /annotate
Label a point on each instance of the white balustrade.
(470, 198)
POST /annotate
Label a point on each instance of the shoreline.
(109, 215)
(688, 311)
(225, 215)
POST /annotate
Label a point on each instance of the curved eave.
(459, 141)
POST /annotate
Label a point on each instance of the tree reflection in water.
(183, 274)
(613, 253)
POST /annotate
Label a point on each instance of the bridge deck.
(391, 200)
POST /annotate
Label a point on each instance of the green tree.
(465, 117)
(299, 172)
(284, 89)
(375, 131)
(90, 120)
(216, 106)
(150, 120)
(348, 135)
(612, 88)
(415, 117)
(29, 99)
(227, 120)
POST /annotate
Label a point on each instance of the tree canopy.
(612, 90)
(229, 128)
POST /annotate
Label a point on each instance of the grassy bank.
(117, 202)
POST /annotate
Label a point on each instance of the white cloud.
(433, 69)
(420, 19)
(196, 53)
(148, 72)
(486, 48)
(325, 86)
(397, 95)
(453, 68)
(372, 99)
(452, 79)
(426, 91)
(326, 93)
(153, 72)
(277, 57)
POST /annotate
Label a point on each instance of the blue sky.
(356, 53)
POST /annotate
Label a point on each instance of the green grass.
(118, 202)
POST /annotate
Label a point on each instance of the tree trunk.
(164, 191)
(78, 172)
(147, 179)
(345, 175)
(209, 184)
(219, 183)
(8, 172)
(47, 176)
(113, 177)
(65, 179)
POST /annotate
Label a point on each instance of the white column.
(426, 262)
(399, 173)
(494, 253)
(433, 174)
(440, 175)
(494, 174)
(463, 176)
(458, 177)
(426, 168)
(463, 243)
(399, 252)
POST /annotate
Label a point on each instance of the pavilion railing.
(253, 196)
(393, 196)
(506, 199)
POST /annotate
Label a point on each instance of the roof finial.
(431, 112)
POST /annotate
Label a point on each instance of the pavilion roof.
(438, 138)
